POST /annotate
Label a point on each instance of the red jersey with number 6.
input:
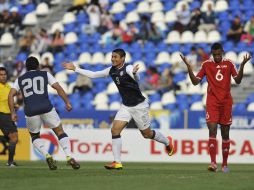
(219, 78)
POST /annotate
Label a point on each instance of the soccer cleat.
(212, 167)
(170, 147)
(225, 169)
(114, 166)
(11, 164)
(51, 163)
(73, 163)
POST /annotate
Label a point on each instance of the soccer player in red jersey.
(218, 72)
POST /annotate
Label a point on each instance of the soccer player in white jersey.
(134, 104)
(38, 109)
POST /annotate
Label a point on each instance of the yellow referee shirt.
(4, 92)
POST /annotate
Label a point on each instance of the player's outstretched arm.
(62, 94)
(239, 76)
(193, 78)
(90, 74)
(13, 92)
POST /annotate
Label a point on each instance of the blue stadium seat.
(170, 107)
(155, 97)
(21, 56)
(240, 107)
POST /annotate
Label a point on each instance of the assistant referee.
(7, 126)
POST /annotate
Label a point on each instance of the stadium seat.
(42, 9)
(157, 17)
(173, 37)
(200, 37)
(142, 66)
(250, 107)
(175, 57)
(49, 55)
(68, 18)
(248, 68)
(187, 37)
(156, 106)
(7, 39)
(57, 26)
(220, 6)
(156, 6)
(114, 106)
(63, 85)
(117, 7)
(102, 106)
(162, 57)
(194, 89)
(51, 90)
(30, 19)
(98, 58)
(239, 107)
(70, 87)
(61, 76)
(143, 7)
(132, 17)
(55, 2)
(205, 4)
(85, 58)
(168, 98)
(70, 38)
(128, 58)
(100, 98)
(170, 16)
(213, 36)
(232, 56)
(197, 106)
(111, 89)
(179, 4)
(204, 87)
(241, 56)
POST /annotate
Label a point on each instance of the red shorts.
(219, 113)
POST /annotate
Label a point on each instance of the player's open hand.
(185, 60)
(69, 66)
(246, 58)
(14, 117)
(68, 107)
(135, 68)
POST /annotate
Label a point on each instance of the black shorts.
(6, 124)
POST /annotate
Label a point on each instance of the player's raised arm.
(132, 71)
(90, 74)
(239, 76)
(193, 78)
(11, 95)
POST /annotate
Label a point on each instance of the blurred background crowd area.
(152, 32)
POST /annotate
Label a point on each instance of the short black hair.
(120, 52)
(3, 69)
(32, 63)
(216, 46)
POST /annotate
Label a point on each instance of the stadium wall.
(91, 138)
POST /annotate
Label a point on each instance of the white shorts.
(51, 119)
(139, 113)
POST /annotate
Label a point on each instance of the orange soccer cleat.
(114, 166)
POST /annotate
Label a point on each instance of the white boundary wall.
(191, 145)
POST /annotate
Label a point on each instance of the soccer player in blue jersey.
(134, 104)
(38, 109)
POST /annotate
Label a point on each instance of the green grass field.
(154, 176)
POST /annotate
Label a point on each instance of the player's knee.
(115, 131)
(147, 135)
(35, 136)
(13, 138)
